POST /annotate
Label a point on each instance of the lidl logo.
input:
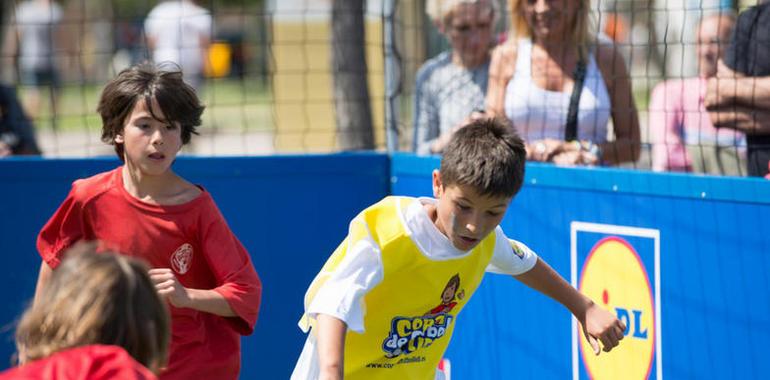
(618, 267)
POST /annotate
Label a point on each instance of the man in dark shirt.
(739, 96)
(16, 132)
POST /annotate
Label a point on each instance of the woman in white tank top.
(531, 80)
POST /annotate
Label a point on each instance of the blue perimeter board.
(291, 211)
(714, 263)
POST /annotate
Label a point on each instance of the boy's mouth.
(468, 240)
(157, 156)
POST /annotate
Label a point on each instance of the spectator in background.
(532, 81)
(452, 85)
(738, 97)
(179, 31)
(683, 137)
(33, 39)
(17, 136)
(99, 317)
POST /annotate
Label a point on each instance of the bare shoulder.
(505, 52)
(503, 62)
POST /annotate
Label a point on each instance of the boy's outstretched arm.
(331, 346)
(598, 324)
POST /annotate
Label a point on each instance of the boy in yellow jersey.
(403, 256)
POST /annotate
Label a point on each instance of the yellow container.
(219, 58)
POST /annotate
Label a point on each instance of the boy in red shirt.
(144, 208)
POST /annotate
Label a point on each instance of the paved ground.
(223, 143)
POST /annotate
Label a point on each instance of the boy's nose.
(472, 226)
(157, 137)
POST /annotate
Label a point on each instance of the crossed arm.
(739, 102)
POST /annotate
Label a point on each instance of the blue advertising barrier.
(691, 284)
(290, 212)
(696, 299)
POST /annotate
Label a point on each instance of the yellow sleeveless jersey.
(410, 315)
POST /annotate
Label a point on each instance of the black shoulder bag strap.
(570, 130)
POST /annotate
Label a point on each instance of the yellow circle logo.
(615, 277)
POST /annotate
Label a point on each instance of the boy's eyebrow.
(149, 117)
(461, 198)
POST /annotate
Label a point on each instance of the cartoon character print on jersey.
(448, 296)
(408, 334)
(181, 259)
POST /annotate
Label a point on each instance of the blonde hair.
(92, 298)
(441, 11)
(579, 34)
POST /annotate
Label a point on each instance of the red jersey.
(193, 240)
(82, 363)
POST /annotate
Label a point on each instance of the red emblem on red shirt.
(182, 258)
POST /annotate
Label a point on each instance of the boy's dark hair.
(487, 155)
(148, 82)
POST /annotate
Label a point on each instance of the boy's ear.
(438, 187)
(118, 138)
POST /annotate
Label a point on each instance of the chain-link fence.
(274, 74)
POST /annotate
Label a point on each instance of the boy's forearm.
(330, 333)
(209, 301)
(598, 324)
(547, 281)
